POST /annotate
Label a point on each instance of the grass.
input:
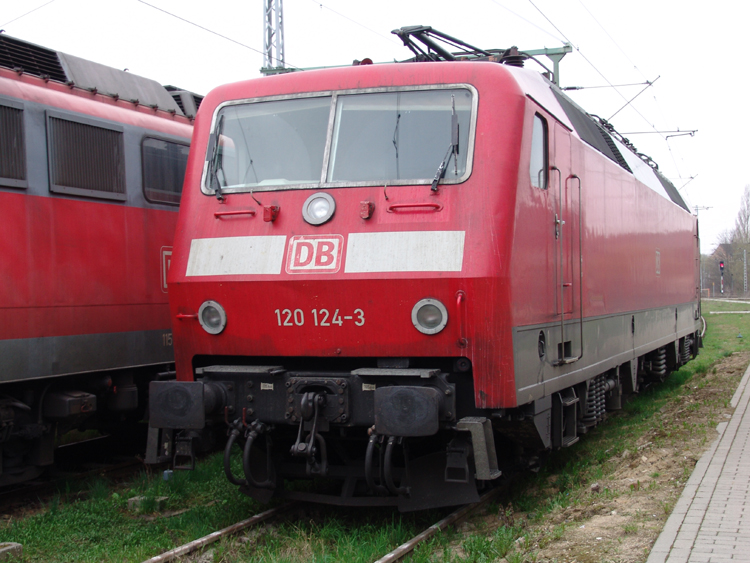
(341, 535)
(101, 528)
(595, 456)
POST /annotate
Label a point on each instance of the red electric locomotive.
(92, 161)
(405, 276)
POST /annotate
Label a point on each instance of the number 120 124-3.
(320, 317)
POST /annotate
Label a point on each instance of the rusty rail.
(406, 548)
(214, 536)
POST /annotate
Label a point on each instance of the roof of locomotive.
(28, 58)
(595, 132)
(430, 45)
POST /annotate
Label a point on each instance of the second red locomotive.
(404, 276)
(91, 167)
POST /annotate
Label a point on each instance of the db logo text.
(314, 254)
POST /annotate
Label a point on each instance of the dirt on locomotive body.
(406, 277)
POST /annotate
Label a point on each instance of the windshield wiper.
(216, 160)
(452, 149)
(395, 143)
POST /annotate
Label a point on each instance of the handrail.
(559, 236)
(432, 206)
(563, 360)
(239, 212)
(461, 310)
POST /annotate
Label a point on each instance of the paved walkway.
(711, 521)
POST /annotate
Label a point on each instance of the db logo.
(310, 254)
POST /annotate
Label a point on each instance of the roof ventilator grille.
(177, 98)
(615, 151)
(31, 59)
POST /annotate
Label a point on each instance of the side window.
(164, 164)
(538, 162)
(12, 146)
(85, 158)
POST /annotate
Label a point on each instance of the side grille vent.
(31, 58)
(12, 147)
(86, 160)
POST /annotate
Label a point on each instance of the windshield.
(271, 143)
(383, 137)
(398, 135)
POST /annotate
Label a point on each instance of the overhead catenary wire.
(556, 28)
(686, 183)
(649, 84)
(390, 39)
(679, 132)
(634, 66)
(639, 72)
(599, 72)
(612, 39)
(605, 86)
(519, 16)
(213, 32)
(671, 155)
(27, 13)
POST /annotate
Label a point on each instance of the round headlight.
(318, 208)
(429, 316)
(212, 317)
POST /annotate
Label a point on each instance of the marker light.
(429, 316)
(318, 208)
(212, 317)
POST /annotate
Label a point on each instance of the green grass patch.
(101, 528)
(348, 535)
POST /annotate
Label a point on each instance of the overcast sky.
(693, 48)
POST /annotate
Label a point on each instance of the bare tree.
(741, 232)
(725, 237)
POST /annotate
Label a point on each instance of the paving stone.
(711, 520)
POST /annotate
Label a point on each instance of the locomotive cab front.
(342, 293)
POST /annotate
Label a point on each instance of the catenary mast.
(273, 34)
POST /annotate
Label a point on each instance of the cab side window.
(539, 153)
(164, 165)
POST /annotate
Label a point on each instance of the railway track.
(395, 555)
(200, 543)
(454, 517)
(77, 462)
